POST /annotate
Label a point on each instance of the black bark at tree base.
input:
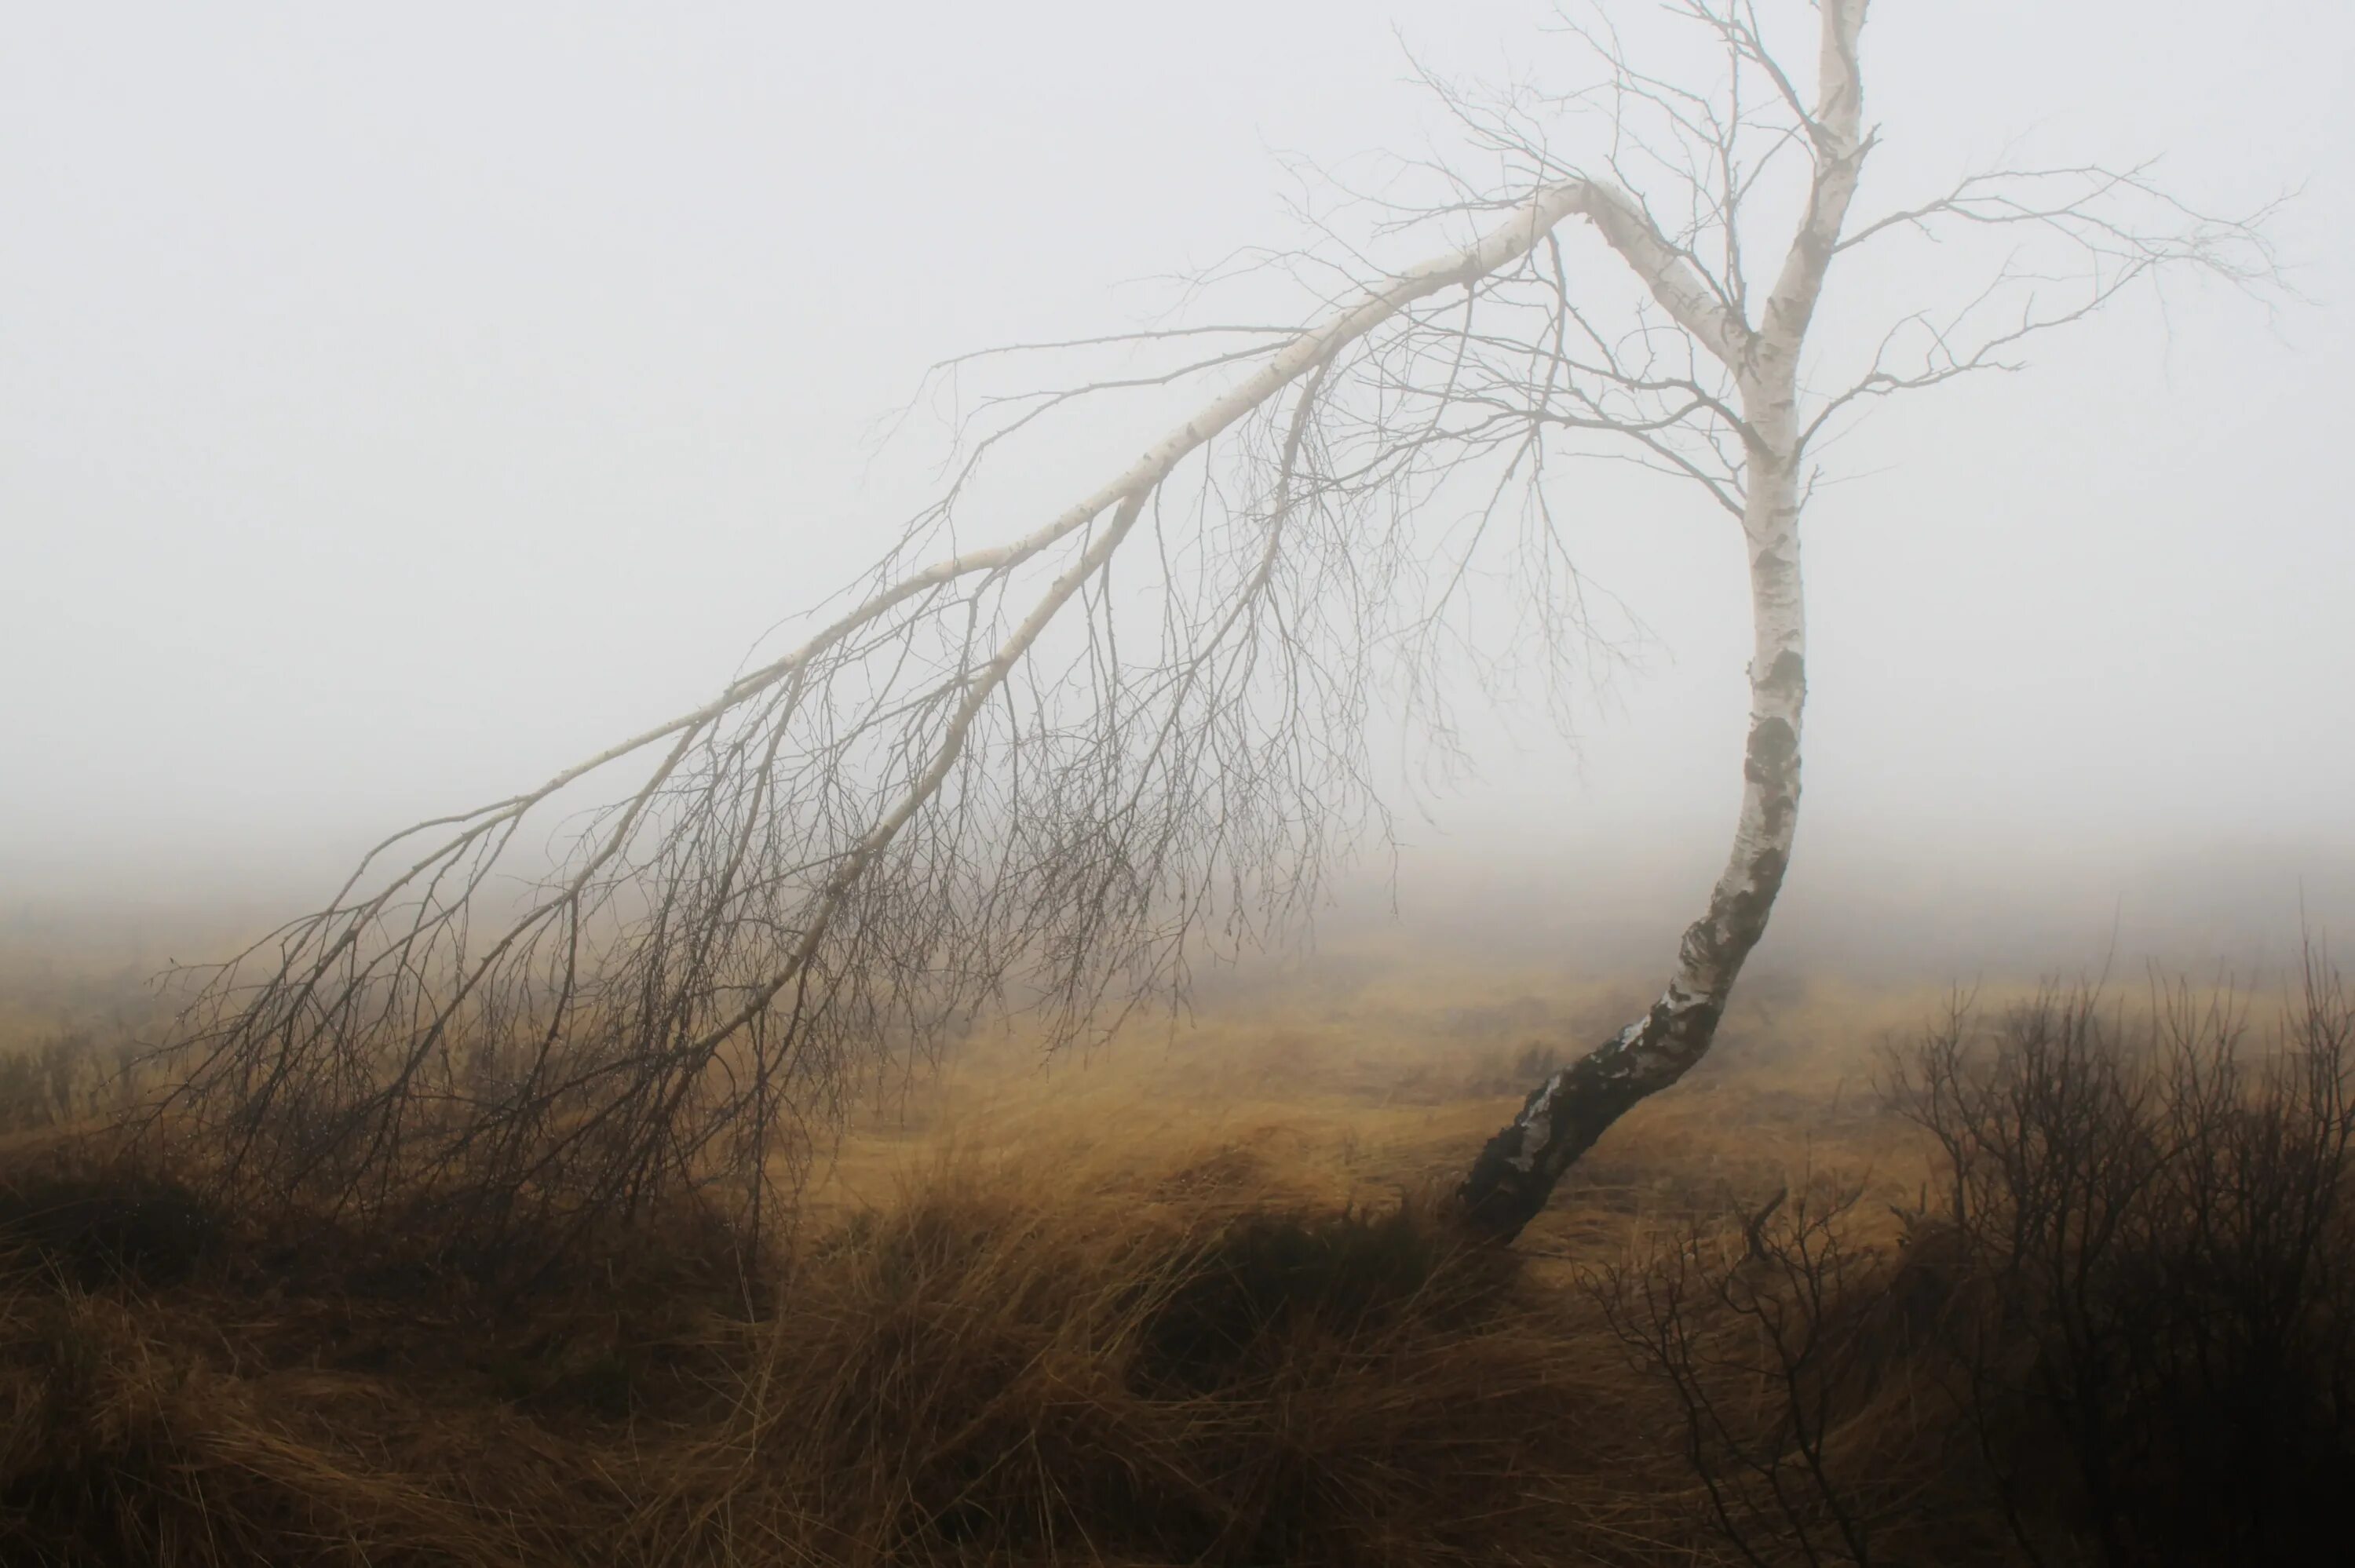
(1517, 1171)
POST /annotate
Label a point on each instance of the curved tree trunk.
(1516, 1172)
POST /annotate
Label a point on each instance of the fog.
(399, 403)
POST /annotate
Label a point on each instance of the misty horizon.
(364, 473)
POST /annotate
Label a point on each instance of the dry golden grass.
(1183, 1300)
(1178, 1302)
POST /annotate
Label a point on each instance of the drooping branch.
(849, 844)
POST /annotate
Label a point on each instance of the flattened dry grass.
(1187, 1305)
(1003, 1364)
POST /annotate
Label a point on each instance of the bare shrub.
(2159, 1348)
(1789, 1344)
(2118, 1326)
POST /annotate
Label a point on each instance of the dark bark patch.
(1773, 753)
(1565, 1116)
(1788, 675)
(1742, 918)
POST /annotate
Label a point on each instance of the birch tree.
(1057, 767)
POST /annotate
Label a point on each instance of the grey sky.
(399, 401)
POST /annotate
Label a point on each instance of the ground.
(1178, 1298)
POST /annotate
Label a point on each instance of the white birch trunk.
(1562, 1117)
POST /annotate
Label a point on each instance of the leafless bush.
(2160, 1352)
(2120, 1327)
(1782, 1335)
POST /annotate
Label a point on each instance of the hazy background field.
(1453, 931)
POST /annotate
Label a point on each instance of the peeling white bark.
(1564, 1114)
